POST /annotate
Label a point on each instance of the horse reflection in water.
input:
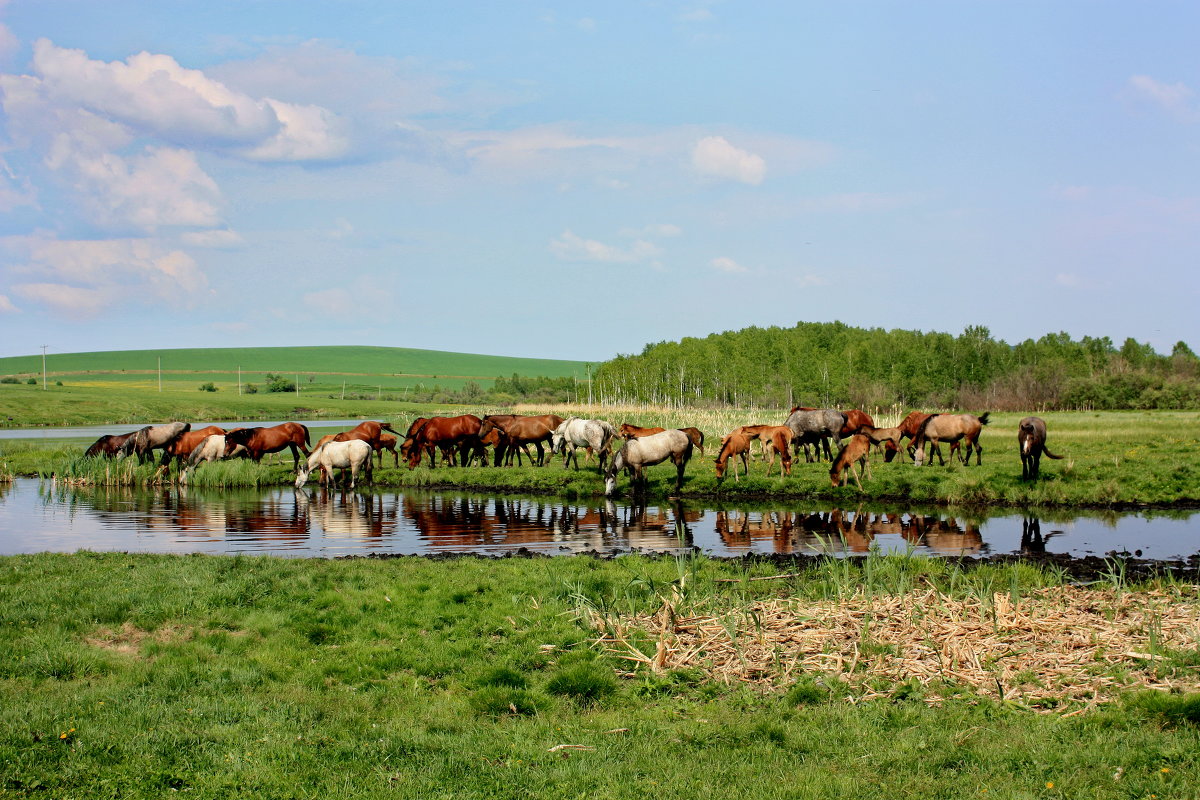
(351, 514)
(840, 531)
(1032, 540)
(469, 525)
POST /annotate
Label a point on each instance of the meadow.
(137, 675)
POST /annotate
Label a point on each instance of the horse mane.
(920, 437)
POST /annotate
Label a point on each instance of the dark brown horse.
(442, 433)
(108, 445)
(521, 431)
(260, 441)
(855, 421)
(1031, 436)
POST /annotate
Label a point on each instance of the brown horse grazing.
(733, 445)
(387, 442)
(445, 434)
(889, 438)
(182, 447)
(778, 439)
(950, 428)
(634, 432)
(1031, 436)
(519, 432)
(697, 437)
(108, 445)
(909, 427)
(259, 441)
(856, 451)
(368, 431)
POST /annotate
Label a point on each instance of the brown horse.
(697, 437)
(855, 421)
(950, 428)
(909, 427)
(855, 451)
(733, 445)
(1031, 436)
(634, 432)
(777, 439)
(260, 441)
(444, 433)
(519, 432)
(182, 447)
(889, 438)
(108, 446)
(368, 431)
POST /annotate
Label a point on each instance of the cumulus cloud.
(714, 156)
(91, 276)
(571, 247)
(1174, 97)
(725, 264)
(154, 96)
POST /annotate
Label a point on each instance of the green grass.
(139, 676)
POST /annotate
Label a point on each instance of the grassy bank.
(1112, 460)
(133, 676)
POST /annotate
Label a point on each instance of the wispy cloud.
(1175, 98)
(724, 264)
(714, 156)
(571, 247)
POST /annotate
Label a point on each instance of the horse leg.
(854, 472)
(745, 463)
(541, 453)
(978, 454)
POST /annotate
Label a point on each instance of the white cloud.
(658, 230)
(571, 247)
(1174, 97)
(716, 157)
(215, 239)
(6, 305)
(14, 191)
(117, 275)
(725, 264)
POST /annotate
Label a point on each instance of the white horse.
(594, 434)
(354, 455)
(637, 454)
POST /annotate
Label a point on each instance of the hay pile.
(1060, 647)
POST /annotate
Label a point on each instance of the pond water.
(37, 516)
(96, 431)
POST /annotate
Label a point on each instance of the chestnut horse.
(260, 441)
(855, 451)
(444, 433)
(777, 439)
(733, 445)
(634, 432)
(521, 431)
(182, 447)
(855, 421)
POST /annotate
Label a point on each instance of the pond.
(37, 516)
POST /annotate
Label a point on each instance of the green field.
(363, 369)
(129, 676)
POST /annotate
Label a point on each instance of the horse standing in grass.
(445, 434)
(108, 445)
(734, 445)
(855, 451)
(182, 447)
(817, 426)
(697, 437)
(260, 441)
(350, 457)
(777, 439)
(637, 454)
(1031, 436)
(950, 428)
(594, 434)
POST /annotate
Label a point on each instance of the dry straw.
(1062, 648)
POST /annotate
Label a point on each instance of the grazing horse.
(733, 445)
(950, 428)
(211, 448)
(445, 434)
(109, 445)
(260, 441)
(522, 431)
(889, 438)
(909, 427)
(777, 439)
(754, 432)
(855, 451)
(818, 426)
(855, 421)
(182, 447)
(369, 431)
(352, 455)
(697, 437)
(1031, 436)
(145, 441)
(387, 442)
(594, 434)
(646, 451)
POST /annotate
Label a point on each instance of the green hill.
(389, 367)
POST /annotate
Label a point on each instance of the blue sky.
(574, 180)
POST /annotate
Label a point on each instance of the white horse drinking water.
(637, 454)
(354, 455)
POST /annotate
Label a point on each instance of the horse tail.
(983, 420)
(1048, 454)
(304, 428)
(387, 426)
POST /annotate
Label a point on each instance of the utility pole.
(297, 384)
(343, 389)
(239, 379)
(160, 373)
(44, 366)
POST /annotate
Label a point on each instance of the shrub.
(278, 383)
(32, 382)
(9, 379)
(250, 388)
(208, 387)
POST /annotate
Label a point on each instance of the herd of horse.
(464, 439)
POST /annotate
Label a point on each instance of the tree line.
(836, 365)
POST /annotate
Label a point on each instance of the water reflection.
(36, 516)
(841, 531)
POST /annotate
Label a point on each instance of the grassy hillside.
(367, 368)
